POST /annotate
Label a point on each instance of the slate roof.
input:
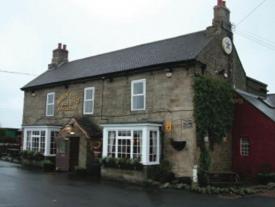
(271, 99)
(178, 49)
(266, 106)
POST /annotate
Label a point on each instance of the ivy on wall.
(213, 111)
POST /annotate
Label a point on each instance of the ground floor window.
(40, 139)
(128, 141)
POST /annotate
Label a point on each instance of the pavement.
(21, 187)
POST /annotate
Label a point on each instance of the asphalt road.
(20, 187)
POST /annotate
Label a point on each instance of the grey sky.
(31, 29)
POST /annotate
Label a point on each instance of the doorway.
(67, 154)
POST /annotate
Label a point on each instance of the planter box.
(123, 175)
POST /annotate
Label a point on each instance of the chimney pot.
(220, 3)
(60, 56)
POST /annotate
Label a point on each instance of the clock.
(227, 45)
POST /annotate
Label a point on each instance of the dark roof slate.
(271, 99)
(260, 103)
(178, 49)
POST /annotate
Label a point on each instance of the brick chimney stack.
(222, 16)
(60, 56)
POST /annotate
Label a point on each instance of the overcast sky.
(31, 29)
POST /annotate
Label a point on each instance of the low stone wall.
(123, 175)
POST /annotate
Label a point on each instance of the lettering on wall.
(68, 102)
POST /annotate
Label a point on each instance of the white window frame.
(50, 104)
(47, 129)
(86, 100)
(145, 142)
(245, 142)
(143, 81)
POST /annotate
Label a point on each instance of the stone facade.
(167, 99)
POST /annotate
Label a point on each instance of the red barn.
(254, 134)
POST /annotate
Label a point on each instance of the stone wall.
(217, 61)
(166, 99)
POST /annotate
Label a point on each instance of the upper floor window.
(50, 104)
(138, 95)
(88, 104)
(244, 147)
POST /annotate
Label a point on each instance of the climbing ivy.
(213, 102)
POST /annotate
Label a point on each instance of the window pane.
(111, 144)
(28, 141)
(42, 142)
(50, 98)
(52, 142)
(138, 102)
(61, 147)
(138, 88)
(89, 94)
(124, 148)
(50, 109)
(137, 143)
(245, 147)
(89, 106)
(153, 146)
(124, 133)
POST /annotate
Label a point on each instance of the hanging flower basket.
(178, 145)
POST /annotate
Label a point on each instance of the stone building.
(137, 101)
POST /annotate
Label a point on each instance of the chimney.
(60, 56)
(222, 16)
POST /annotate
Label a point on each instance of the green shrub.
(121, 163)
(37, 156)
(265, 178)
(30, 155)
(161, 173)
(48, 165)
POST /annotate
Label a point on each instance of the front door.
(73, 152)
(67, 153)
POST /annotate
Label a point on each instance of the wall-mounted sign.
(187, 124)
(68, 102)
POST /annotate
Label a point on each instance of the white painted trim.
(145, 128)
(52, 104)
(143, 94)
(47, 130)
(85, 100)
(121, 126)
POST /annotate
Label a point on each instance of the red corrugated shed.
(254, 121)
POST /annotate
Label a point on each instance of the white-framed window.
(50, 104)
(138, 95)
(153, 146)
(111, 144)
(52, 142)
(244, 147)
(88, 103)
(28, 140)
(132, 141)
(40, 139)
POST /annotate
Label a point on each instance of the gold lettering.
(68, 102)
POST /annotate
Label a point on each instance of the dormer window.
(138, 95)
(50, 104)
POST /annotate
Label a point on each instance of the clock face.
(227, 45)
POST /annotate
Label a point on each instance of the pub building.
(135, 103)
